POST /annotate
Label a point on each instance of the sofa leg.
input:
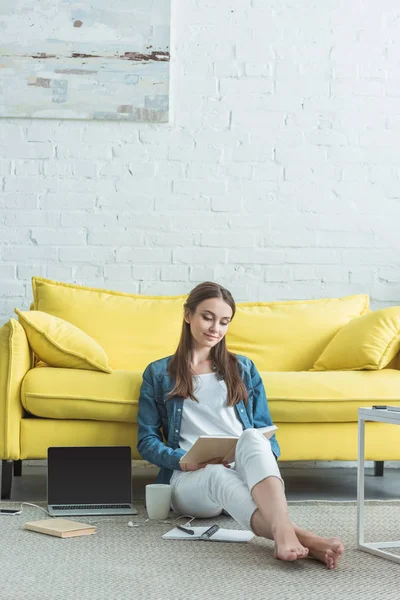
(6, 478)
(378, 468)
(17, 468)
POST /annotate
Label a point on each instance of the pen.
(189, 531)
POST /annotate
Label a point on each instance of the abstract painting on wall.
(73, 59)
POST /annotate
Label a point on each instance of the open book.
(217, 448)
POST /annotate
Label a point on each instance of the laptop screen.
(89, 475)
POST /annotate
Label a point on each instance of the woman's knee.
(252, 436)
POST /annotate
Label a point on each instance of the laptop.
(85, 480)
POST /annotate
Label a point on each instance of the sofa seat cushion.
(328, 396)
(55, 393)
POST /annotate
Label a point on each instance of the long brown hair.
(226, 363)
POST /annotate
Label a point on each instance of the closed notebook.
(60, 527)
(217, 447)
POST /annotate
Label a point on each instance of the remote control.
(209, 532)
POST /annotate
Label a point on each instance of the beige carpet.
(121, 562)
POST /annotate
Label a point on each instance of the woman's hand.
(198, 466)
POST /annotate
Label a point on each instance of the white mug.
(158, 500)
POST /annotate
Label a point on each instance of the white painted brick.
(344, 239)
(7, 271)
(171, 239)
(7, 306)
(92, 255)
(220, 204)
(370, 257)
(67, 201)
(359, 87)
(174, 273)
(290, 239)
(143, 255)
(182, 203)
(362, 275)
(17, 254)
(131, 152)
(91, 273)
(196, 256)
(66, 237)
(28, 167)
(12, 130)
(254, 256)
(239, 273)
(388, 275)
(312, 256)
(57, 168)
(31, 150)
(89, 219)
(278, 274)
(113, 131)
(5, 166)
(142, 187)
(20, 185)
(229, 239)
(169, 170)
(115, 237)
(120, 201)
(97, 151)
(164, 288)
(26, 272)
(203, 186)
(14, 236)
(60, 272)
(145, 273)
(84, 168)
(200, 274)
(118, 272)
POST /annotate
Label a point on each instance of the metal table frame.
(379, 416)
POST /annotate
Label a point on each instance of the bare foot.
(326, 550)
(287, 545)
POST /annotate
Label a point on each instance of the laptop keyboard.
(91, 506)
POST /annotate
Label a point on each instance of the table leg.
(360, 481)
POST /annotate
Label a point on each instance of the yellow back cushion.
(132, 329)
(369, 342)
(290, 336)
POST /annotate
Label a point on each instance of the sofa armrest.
(15, 362)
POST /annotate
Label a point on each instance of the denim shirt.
(160, 418)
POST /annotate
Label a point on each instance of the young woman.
(205, 390)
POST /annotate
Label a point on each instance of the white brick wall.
(278, 175)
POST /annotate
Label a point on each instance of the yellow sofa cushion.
(61, 344)
(133, 329)
(328, 396)
(369, 342)
(289, 336)
(85, 395)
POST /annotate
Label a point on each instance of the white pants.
(207, 492)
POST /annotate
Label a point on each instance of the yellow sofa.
(315, 409)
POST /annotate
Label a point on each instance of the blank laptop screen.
(83, 475)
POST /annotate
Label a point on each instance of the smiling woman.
(203, 389)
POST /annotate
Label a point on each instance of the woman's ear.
(187, 317)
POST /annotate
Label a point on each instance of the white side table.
(380, 416)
